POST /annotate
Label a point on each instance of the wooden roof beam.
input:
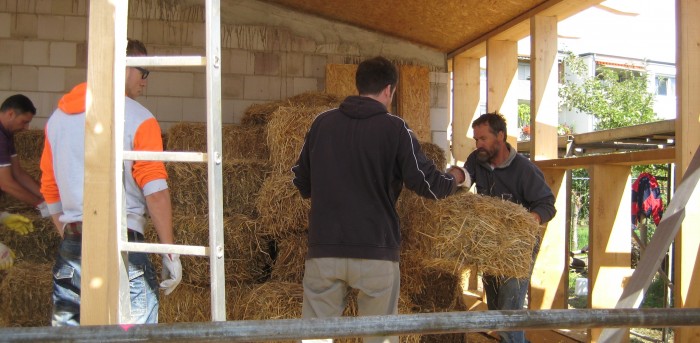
(519, 27)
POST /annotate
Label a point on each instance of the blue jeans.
(66, 286)
(506, 294)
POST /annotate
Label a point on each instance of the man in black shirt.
(16, 112)
(354, 162)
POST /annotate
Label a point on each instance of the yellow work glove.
(7, 257)
(18, 223)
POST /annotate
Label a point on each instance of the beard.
(484, 155)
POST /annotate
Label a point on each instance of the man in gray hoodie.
(498, 170)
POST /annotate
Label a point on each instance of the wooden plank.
(549, 282)
(649, 129)
(686, 257)
(101, 265)
(413, 100)
(526, 146)
(501, 85)
(623, 159)
(609, 238)
(518, 28)
(544, 98)
(465, 105)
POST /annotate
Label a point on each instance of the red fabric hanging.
(646, 199)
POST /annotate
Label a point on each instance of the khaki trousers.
(327, 282)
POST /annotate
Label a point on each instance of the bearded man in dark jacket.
(498, 170)
(354, 163)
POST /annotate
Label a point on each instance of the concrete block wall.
(44, 44)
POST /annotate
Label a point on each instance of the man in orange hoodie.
(146, 192)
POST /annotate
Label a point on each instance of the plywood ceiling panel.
(444, 25)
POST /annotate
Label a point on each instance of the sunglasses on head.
(144, 72)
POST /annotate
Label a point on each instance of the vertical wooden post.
(100, 255)
(501, 77)
(465, 105)
(687, 259)
(609, 241)
(544, 97)
(549, 283)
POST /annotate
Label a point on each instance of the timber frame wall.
(610, 195)
(610, 242)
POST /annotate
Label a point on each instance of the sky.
(644, 29)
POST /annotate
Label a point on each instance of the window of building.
(665, 85)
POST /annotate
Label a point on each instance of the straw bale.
(242, 180)
(414, 92)
(270, 300)
(39, 246)
(237, 141)
(411, 266)
(25, 294)
(259, 114)
(280, 207)
(246, 259)
(495, 235)
(289, 262)
(189, 303)
(415, 238)
(443, 288)
(315, 99)
(340, 79)
(434, 153)
(286, 131)
(29, 144)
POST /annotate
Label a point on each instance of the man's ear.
(387, 91)
(501, 136)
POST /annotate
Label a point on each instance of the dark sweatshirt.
(353, 165)
(517, 179)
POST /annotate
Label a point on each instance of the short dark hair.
(19, 103)
(375, 74)
(496, 123)
(135, 48)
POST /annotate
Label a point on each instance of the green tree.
(615, 97)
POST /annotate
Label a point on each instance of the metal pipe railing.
(428, 323)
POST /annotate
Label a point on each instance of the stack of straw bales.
(25, 289)
(265, 223)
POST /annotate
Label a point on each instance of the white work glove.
(171, 272)
(18, 223)
(467, 179)
(43, 209)
(7, 257)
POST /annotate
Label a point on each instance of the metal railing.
(428, 323)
